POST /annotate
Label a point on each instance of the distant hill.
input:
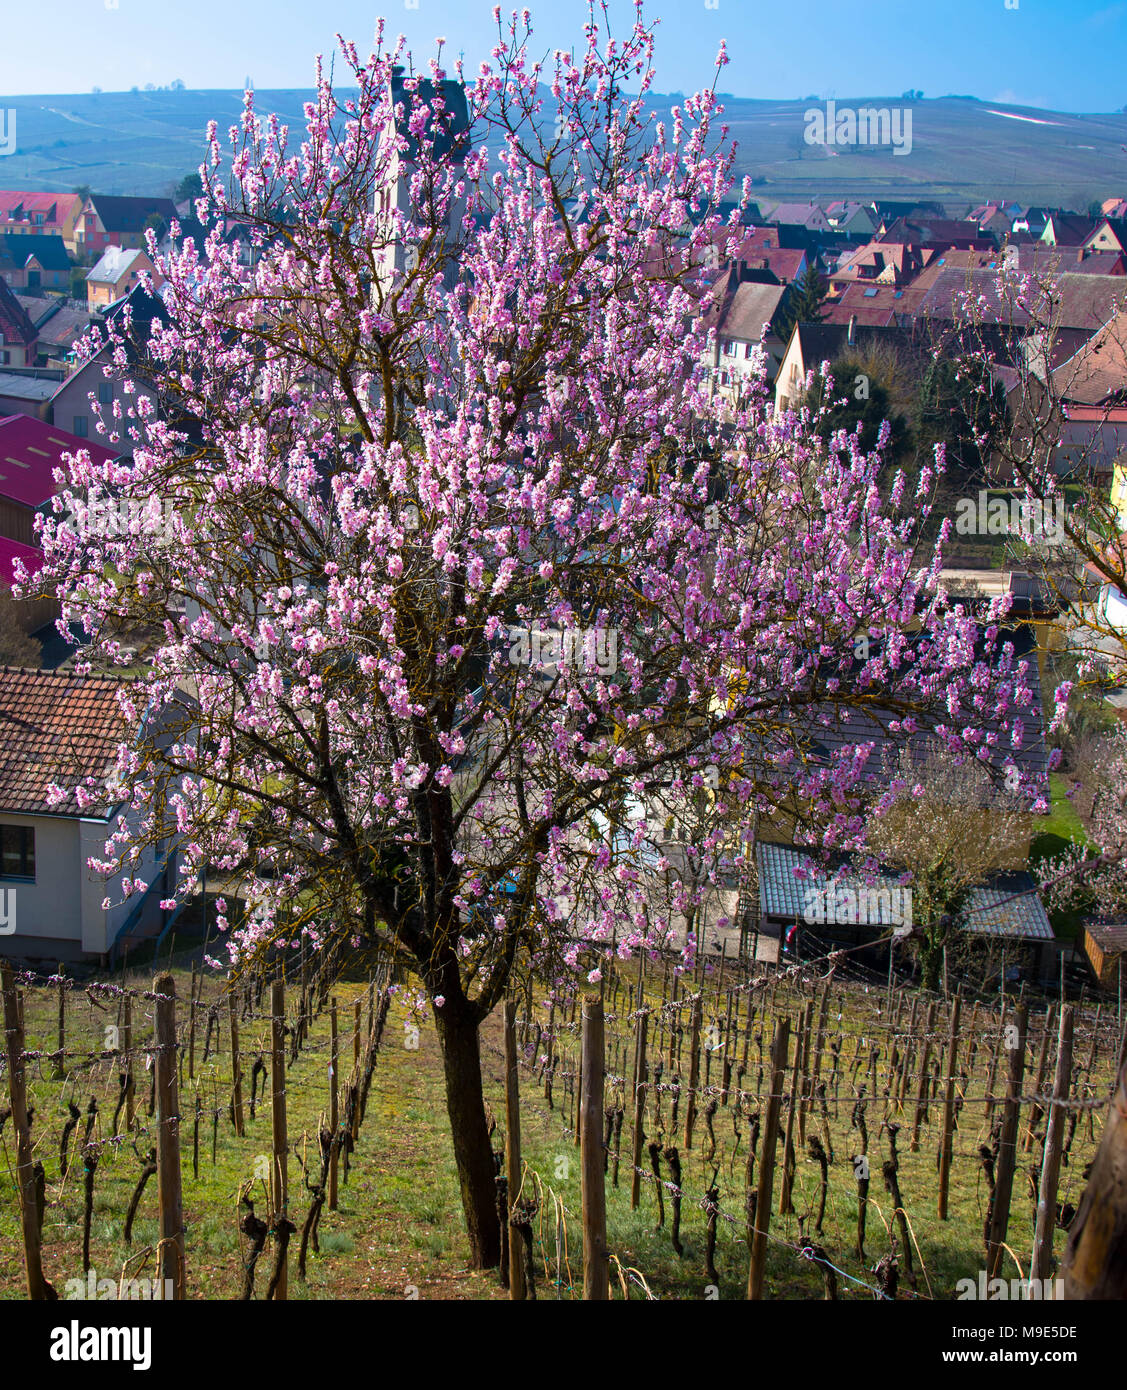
(962, 149)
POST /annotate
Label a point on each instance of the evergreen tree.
(805, 303)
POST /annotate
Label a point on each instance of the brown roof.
(739, 310)
(1110, 937)
(130, 214)
(15, 325)
(1085, 301)
(54, 726)
(877, 305)
(1098, 372)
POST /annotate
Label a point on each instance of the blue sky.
(1064, 54)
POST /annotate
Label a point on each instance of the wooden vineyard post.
(1041, 1266)
(946, 1149)
(127, 1042)
(37, 1285)
(236, 1068)
(279, 1173)
(334, 1118)
(1013, 1038)
(769, 1143)
(192, 1026)
(821, 1038)
(357, 1025)
(518, 1291)
(694, 1070)
(60, 1065)
(785, 1204)
(1042, 1061)
(596, 1271)
(640, 1079)
(804, 1081)
(170, 1258)
(925, 1059)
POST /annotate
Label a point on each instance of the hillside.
(962, 149)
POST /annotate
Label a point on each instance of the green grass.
(1060, 829)
(398, 1225)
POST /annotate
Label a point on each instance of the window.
(81, 427)
(17, 851)
(105, 393)
(729, 348)
(749, 348)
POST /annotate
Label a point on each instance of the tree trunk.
(931, 963)
(465, 1104)
(1095, 1259)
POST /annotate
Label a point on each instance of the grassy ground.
(398, 1225)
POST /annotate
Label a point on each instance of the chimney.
(850, 336)
(1080, 254)
(741, 272)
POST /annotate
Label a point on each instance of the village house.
(24, 213)
(56, 727)
(19, 342)
(122, 222)
(942, 233)
(811, 344)
(995, 219)
(808, 216)
(116, 273)
(1091, 389)
(1110, 235)
(30, 451)
(852, 218)
(34, 263)
(741, 308)
(70, 405)
(59, 326)
(1068, 229)
(880, 263)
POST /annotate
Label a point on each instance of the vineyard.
(747, 1131)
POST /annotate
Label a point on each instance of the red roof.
(21, 205)
(30, 451)
(54, 727)
(10, 552)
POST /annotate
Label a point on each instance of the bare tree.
(948, 827)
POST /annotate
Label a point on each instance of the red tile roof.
(54, 727)
(17, 207)
(30, 450)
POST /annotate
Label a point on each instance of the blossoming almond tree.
(465, 557)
